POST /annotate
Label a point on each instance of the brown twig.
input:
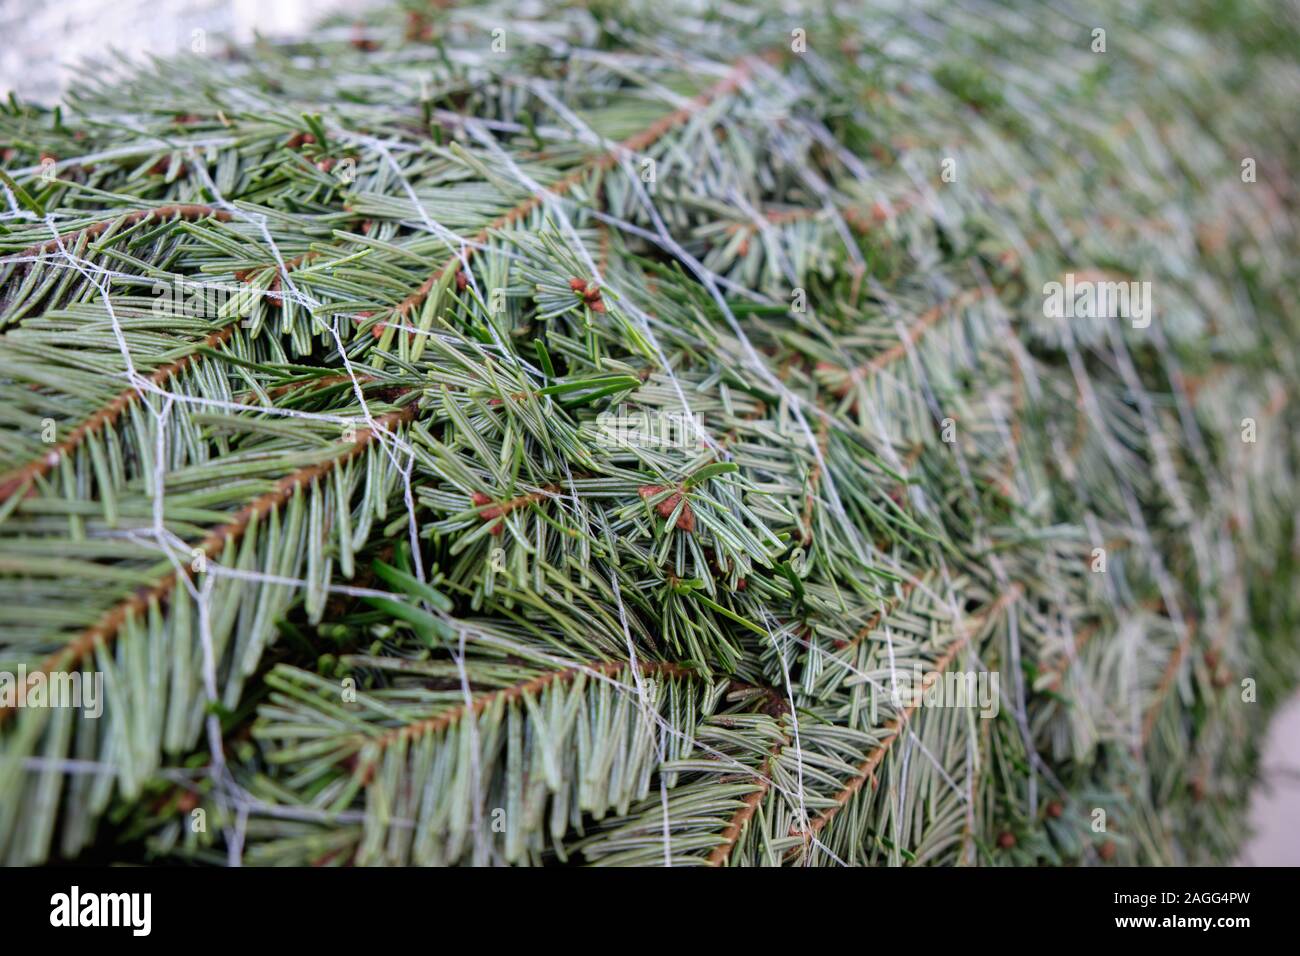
(748, 807)
(1167, 680)
(910, 336)
(532, 686)
(191, 212)
(874, 622)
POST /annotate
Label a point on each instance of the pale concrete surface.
(1275, 806)
(44, 40)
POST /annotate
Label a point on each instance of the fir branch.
(428, 625)
(749, 806)
(894, 728)
(211, 546)
(191, 212)
(508, 695)
(15, 482)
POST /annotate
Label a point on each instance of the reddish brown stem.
(749, 806)
(191, 212)
(533, 686)
(892, 730)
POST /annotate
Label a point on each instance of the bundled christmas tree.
(638, 433)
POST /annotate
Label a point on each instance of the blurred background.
(48, 41)
(45, 40)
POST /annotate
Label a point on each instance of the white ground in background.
(1275, 807)
(45, 39)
